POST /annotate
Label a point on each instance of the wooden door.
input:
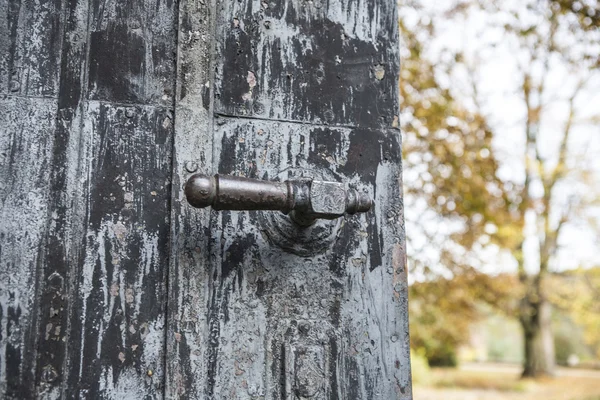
(112, 286)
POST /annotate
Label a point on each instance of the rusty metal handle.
(304, 199)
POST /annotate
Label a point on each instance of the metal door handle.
(304, 199)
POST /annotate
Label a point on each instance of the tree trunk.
(539, 343)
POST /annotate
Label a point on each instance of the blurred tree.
(450, 147)
(545, 34)
(587, 13)
(443, 310)
(449, 152)
(578, 293)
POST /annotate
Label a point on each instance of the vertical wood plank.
(86, 315)
(187, 333)
(26, 140)
(120, 258)
(30, 52)
(56, 276)
(109, 250)
(116, 343)
(30, 47)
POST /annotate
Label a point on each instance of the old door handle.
(304, 199)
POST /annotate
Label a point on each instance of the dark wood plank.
(26, 142)
(109, 252)
(116, 345)
(190, 229)
(58, 256)
(132, 51)
(117, 314)
(30, 47)
(30, 61)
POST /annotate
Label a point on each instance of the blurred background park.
(500, 117)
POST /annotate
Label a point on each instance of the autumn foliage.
(460, 203)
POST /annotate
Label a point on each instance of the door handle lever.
(304, 199)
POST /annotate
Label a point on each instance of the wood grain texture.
(190, 229)
(85, 316)
(56, 270)
(329, 323)
(30, 50)
(300, 88)
(30, 47)
(333, 62)
(132, 48)
(118, 311)
(26, 141)
(120, 261)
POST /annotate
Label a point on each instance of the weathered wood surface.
(25, 156)
(299, 88)
(111, 286)
(190, 228)
(333, 62)
(86, 149)
(29, 85)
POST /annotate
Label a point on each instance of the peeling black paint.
(352, 383)
(324, 143)
(329, 76)
(333, 368)
(116, 55)
(213, 344)
(238, 62)
(131, 54)
(30, 48)
(13, 355)
(228, 164)
(206, 98)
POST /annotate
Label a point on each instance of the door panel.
(26, 143)
(30, 47)
(187, 328)
(320, 316)
(258, 307)
(123, 124)
(86, 166)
